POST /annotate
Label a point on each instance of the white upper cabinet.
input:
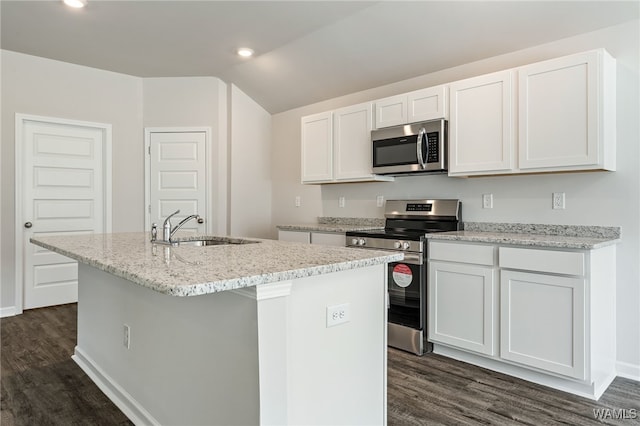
(336, 146)
(317, 147)
(481, 125)
(352, 141)
(391, 111)
(567, 113)
(412, 107)
(564, 119)
(427, 104)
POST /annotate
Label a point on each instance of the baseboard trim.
(587, 390)
(9, 311)
(628, 370)
(121, 398)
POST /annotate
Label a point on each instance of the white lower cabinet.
(543, 321)
(328, 239)
(462, 310)
(544, 315)
(321, 238)
(294, 236)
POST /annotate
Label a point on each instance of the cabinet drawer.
(552, 261)
(464, 253)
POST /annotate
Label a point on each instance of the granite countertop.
(534, 235)
(191, 271)
(337, 225)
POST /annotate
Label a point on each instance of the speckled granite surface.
(534, 235)
(337, 224)
(191, 271)
(609, 232)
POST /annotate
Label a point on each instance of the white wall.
(194, 102)
(38, 86)
(610, 199)
(250, 177)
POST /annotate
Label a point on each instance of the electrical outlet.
(298, 201)
(487, 201)
(341, 202)
(127, 336)
(558, 200)
(338, 314)
(380, 201)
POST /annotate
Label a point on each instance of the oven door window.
(406, 290)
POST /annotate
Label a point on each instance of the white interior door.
(177, 177)
(64, 186)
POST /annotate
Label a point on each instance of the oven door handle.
(421, 159)
(412, 258)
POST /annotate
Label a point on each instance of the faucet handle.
(173, 214)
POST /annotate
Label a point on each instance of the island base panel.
(258, 355)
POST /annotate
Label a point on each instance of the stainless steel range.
(407, 222)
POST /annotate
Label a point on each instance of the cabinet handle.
(28, 224)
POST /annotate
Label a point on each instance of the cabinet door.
(558, 108)
(391, 111)
(294, 236)
(463, 306)
(427, 104)
(352, 142)
(317, 147)
(328, 239)
(481, 125)
(542, 322)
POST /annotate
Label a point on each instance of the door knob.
(28, 224)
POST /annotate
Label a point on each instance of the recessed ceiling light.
(245, 52)
(75, 3)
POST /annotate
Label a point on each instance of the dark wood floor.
(434, 390)
(41, 385)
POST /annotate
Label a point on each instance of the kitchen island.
(277, 333)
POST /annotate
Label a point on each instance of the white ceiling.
(306, 51)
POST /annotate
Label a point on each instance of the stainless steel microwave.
(411, 149)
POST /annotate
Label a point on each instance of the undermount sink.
(211, 241)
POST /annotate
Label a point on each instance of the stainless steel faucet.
(168, 231)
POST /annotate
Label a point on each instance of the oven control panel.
(385, 244)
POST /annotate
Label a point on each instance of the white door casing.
(63, 186)
(177, 176)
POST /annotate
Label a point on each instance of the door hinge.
(149, 149)
(149, 208)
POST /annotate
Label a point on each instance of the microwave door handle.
(421, 134)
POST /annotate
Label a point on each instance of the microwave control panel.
(432, 141)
